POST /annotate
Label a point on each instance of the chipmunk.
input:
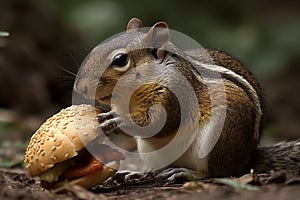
(149, 67)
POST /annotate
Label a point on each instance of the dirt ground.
(16, 184)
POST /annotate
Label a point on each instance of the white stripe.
(242, 80)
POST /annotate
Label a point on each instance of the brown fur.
(231, 154)
(149, 95)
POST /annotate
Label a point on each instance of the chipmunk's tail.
(280, 156)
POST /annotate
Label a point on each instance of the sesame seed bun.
(61, 137)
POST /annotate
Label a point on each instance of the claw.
(133, 176)
(109, 126)
(103, 116)
(127, 176)
(119, 177)
(177, 175)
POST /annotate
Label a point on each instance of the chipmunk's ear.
(134, 25)
(158, 35)
(157, 38)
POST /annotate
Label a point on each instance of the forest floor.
(16, 184)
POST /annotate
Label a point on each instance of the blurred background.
(49, 38)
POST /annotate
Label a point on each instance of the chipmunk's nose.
(83, 87)
(80, 87)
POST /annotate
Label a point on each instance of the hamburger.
(59, 151)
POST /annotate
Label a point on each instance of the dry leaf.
(82, 193)
(245, 179)
(235, 184)
(199, 186)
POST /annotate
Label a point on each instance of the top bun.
(61, 137)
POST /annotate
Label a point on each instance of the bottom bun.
(91, 180)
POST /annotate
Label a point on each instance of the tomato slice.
(86, 163)
(83, 169)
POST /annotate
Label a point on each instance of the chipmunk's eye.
(120, 60)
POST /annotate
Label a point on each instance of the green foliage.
(4, 34)
(12, 145)
(235, 184)
(264, 41)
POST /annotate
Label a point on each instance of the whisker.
(65, 70)
(66, 81)
(65, 84)
(72, 78)
(73, 58)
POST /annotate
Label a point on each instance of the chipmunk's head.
(130, 53)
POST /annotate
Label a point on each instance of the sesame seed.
(82, 113)
(80, 127)
(58, 143)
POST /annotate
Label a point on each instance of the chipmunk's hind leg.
(178, 175)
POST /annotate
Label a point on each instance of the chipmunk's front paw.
(111, 124)
(177, 175)
(126, 176)
(107, 115)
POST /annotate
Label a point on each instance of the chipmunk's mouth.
(105, 99)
